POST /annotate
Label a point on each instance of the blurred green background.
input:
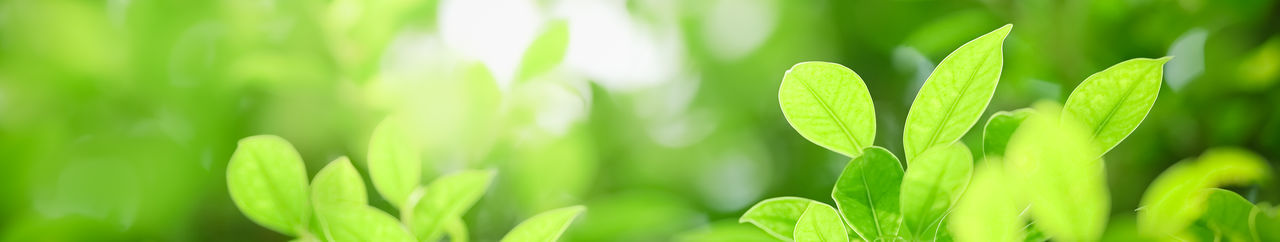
(118, 117)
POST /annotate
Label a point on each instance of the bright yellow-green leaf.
(395, 161)
(444, 199)
(867, 194)
(544, 227)
(820, 223)
(1176, 198)
(931, 187)
(829, 105)
(955, 95)
(546, 51)
(268, 182)
(1060, 175)
(777, 216)
(338, 185)
(999, 128)
(1111, 103)
(362, 223)
(987, 211)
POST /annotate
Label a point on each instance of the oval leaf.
(546, 51)
(995, 135)
(867, 194)
(268, 182)
(338, 185)
(987, 212)
(1110, 104)
(932, 186)
(444, 199)
(955, 95)
(829, 105)
(362, 223)
(820, 223)
(777, 216)
(1059, 175)
(1175, 199)
(395, 163)
(544, 227)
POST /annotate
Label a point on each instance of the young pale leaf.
(1230, 215)
(268, 182)
(931, 186)
(867, 194)
(1110, 104)
(362, 223)
(544, 227)
(338, 185)
(1176, 198)
(829, 105)
(999, 128)
(955, 95)
(395, 163)
(987, 212)
(820, 223)
(546, 51)
(446, 198)
(1060, 176)
(777, 216)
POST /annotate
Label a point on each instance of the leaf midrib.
(831, 113)
(1114, 108)
(871, 204)
(932, 195)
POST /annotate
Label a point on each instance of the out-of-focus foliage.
(118, 118)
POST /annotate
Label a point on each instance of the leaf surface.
(1110, 104)
(268, 182)
(931, 187)
(867, 192)
(820, 223)
(446, 198)
(829, 105)
(544, 227)
(955, 95)
(777, 216)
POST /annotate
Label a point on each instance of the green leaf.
(931, 187)
(867, 194)
(820, 223)
(395, 163)
(1175, 199)
(444, 199)
(546, 226)
(545, 52)
(829, 105)
(999, 128)
(1110, 104)
(268, 182)
(1230, 215)
(777, 216)
(955, 95)
(1059, 175)
(988, 211)
(338, 185)
(362, 223)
